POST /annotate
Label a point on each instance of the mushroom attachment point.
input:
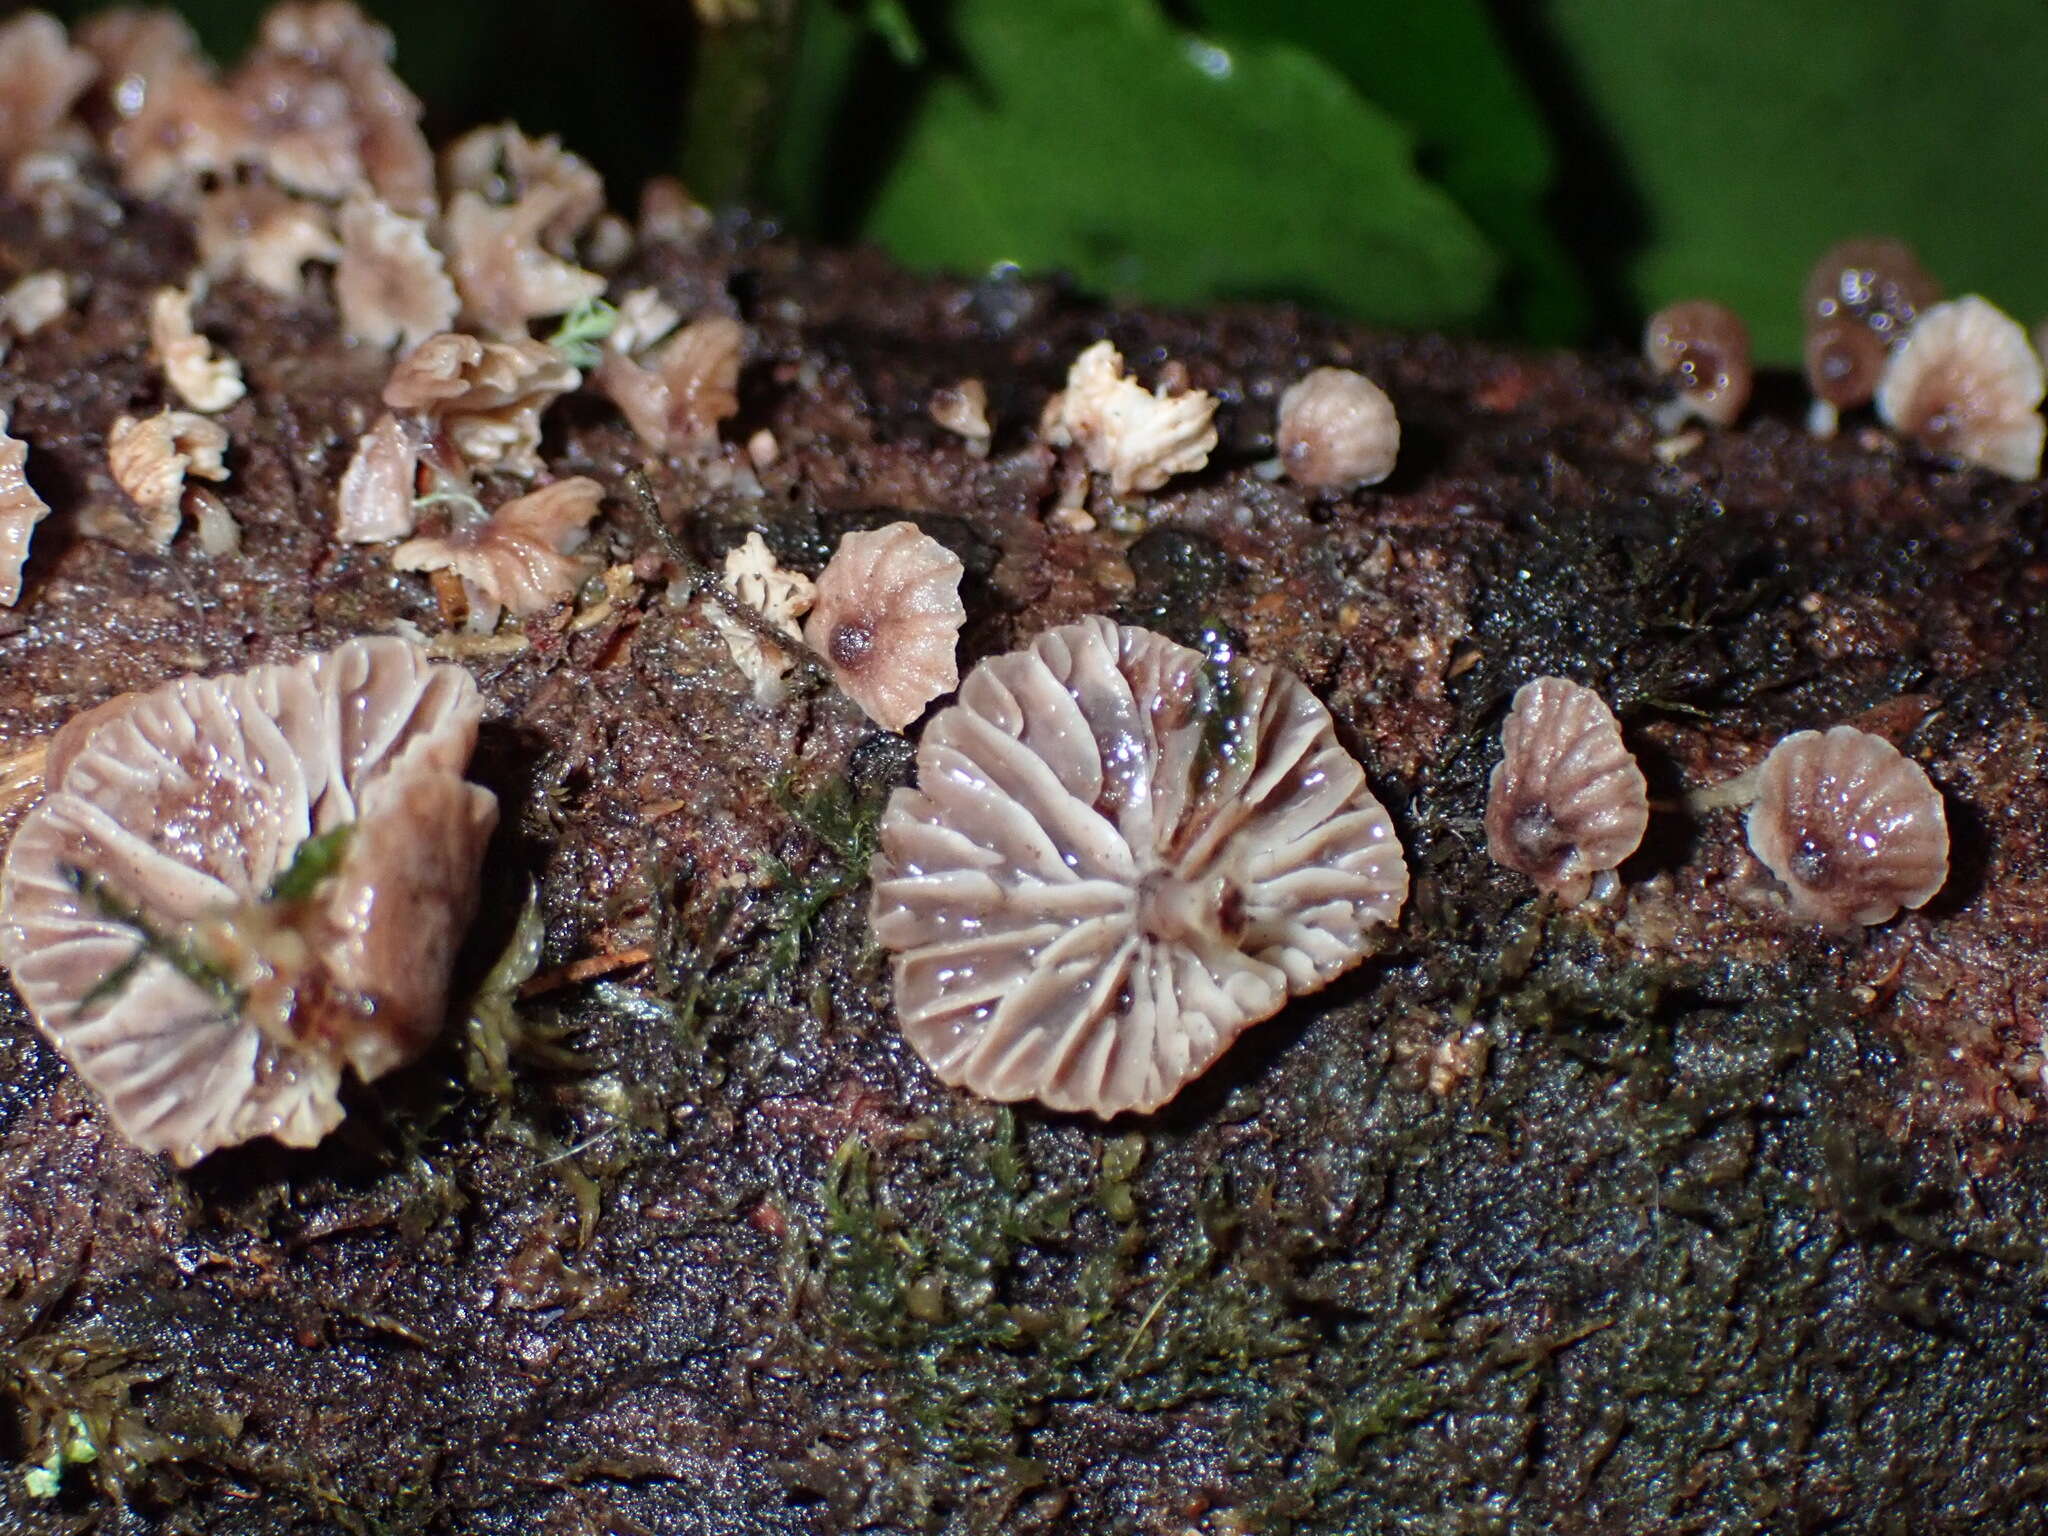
(1850, 825)
(887, 619)
(238, 887)
(1120, 854)
(1704, 348)
(1566, 801)
(1337, 430)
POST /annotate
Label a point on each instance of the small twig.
(587, 969)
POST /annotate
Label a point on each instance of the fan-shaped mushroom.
(1121, 854)
(1851, 825)
(1566, 801)
(239, 886)
(886, 618)
(1968, 382)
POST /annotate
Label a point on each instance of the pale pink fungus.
(206, 966)
(521, 557)
(1851, 826)
(1703, 347)
(1121, 854)
(1566, 802)
(1337, 429)
(1967, 382)
(886, 618)
(20, 510)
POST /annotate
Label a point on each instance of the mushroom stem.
(1729, 794)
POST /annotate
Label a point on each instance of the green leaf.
(1756, 133)
(1440, 69)
(1092, 135)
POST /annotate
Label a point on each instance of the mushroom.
(520, 557)
(962, 409)
(151, 458)
(1120, 855)
(779, 596)
(1861, 299)
(376, 498)
(41, 76)
(238, 887)
(487, 396)
(33, 301)
(205, 381)
(20, 510)
(1139, 439)
(676, 405)
(171, 122)
(886, 618)
(1967, 382)
(253, 229)
(1337, 429)
(1850, 825)
(391, 285)
(1566, 802)
(1705, 346)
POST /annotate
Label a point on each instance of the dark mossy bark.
(1657, 1216)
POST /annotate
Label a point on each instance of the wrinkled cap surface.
(180, 808)
(1851, 825)
(1566, 801)
(1968, 382)
(1119, 855)
(887, 619)
(1337, 429)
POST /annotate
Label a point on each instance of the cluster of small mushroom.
(1959, 376)
(309, 155)
(1848, 824)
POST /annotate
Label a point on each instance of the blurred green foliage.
(1546, 171)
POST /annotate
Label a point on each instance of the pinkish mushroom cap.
(1337, 429)
(1566, 801)
(1704, 348)
(1967, 381)
(164, 919)
(886, 617)
(522, 556)
(1119, 856)
(20, 510)
(1851, 825)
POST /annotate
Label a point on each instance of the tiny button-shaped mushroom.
(1850, 825)
(1704, 348)
(886, 617)
(1861, 299)
(1337, 429)
(1566, 801)
(237, 888)
(1967, 382)
(1120, 855)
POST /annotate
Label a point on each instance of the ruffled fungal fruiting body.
(1140, 439)
(1851, 826)
(151, 458)
(237, 887)
(20, 510)
(1704, 348)
(962, 409)
(780, 597)
(41, 75)
(886, 618)
(522, 557)
(487, 396)
(1120, 854)
(1862, 298)
(268, 236)
(207, 381)
(376, 499)
(390, 286)
(1967, 382)
(1337, 429)
(515, 208)
(1566, 801)
(676, 404)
